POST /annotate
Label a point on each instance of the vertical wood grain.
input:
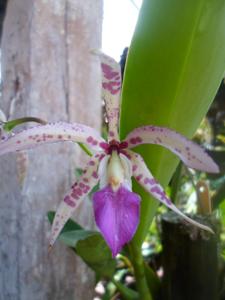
(47, 72)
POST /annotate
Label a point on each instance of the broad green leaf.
(97, 255)
(175, 65)
(89, 245)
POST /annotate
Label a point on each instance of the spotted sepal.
(111, 87)
(51, 133)
(144, 177)
(78, 191)
(190, 153)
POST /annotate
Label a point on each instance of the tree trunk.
(47, 72)
(190, 260)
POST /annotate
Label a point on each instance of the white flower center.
(115, 169)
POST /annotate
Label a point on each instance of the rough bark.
(190, 260)
(47, 72)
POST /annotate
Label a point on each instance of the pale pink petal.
(144, 177)
(117, 215)
(72, 200)
(190, 153)
(51, 133)
(111, 86)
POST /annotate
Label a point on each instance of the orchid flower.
(116, 207)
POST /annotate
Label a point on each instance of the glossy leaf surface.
(175, 65)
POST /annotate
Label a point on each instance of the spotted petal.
(72, 200)
(111, 85)
(144, 177)
(117, 215)
(190, 153)
(51, 133)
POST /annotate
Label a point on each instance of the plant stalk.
(139, 272)
(126, 292)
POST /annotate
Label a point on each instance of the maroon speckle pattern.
(150, 181)
(123, 145)
(69, 201)
(74, 185)
(135, 140)
(101, 156)
(95, 175)
(114, 145)
(161, 193)
(90, 139)
(108, 71)
(111, 87)
(79, 190)
(178, 150)
(104, 146)
(126, 154)
(111, 80)
(139, 177)
(50, 133)
(111, 134)
(189, 152)
(134, 168)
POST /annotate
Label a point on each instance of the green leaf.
(69, 226)
(8, 126)
(126, 292)
(97, 255)
(89, 245)
(152, 281)
(78, 172)
(71, 238)
(175, 65)
(222, 212)
(85, 149)
(219, 196)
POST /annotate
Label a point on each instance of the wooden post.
(47, 72)
(190, 261)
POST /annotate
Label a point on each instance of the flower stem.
(85, 149)
(139, 272)
(126, 292)
(9, 125)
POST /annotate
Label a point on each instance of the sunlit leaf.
(175, 65)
